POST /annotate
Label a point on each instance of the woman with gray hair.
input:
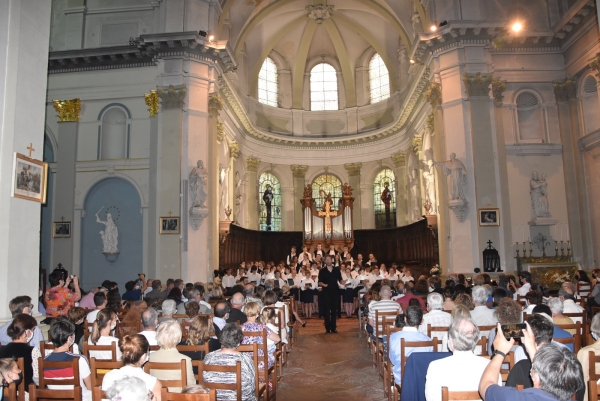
(129, 388)
(584, 354)
(556, 306)
(168, 308)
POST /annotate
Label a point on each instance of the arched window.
(379, 79)
(267, 83)
(323, 87)
(270, 202)
(384, 192)
(590, 104)
(323, 185)
(530, 118)
(114, 134)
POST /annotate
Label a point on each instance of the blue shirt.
(133, 295)
(560, 333)
(498, 393)
(409, 334)
(38, 337)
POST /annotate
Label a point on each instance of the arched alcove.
(120, 198)
(114, 138)
(590, 104)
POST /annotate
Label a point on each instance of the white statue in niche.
(457, 177)
(224, 181)
(539, 195)
(110, 234)
(430, 186)
(198, 177)
(238, 194)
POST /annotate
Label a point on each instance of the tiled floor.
(330, 366)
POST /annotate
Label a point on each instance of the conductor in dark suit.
(329, 277)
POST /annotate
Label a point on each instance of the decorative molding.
(252, 164)
(197, 216)
(459, 207)
(353, 169)
(595, 65)
(431, 123)
(215, 104)
(151, 100)
(478, 84)
(417, 143)
(234, 150)
(433, 94)
(565, 91)
(172, 97)
(590, 141)
(319, 12)
(68, 110)
(298, 170)
(498, 88)
(220, 132)
(534, 149)
(399, 159)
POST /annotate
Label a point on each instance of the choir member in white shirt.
(359, 260)
(267, 274)
(254, 276)
(228, 280)
(372, 261)
(383, 274)
(305, 255)
(407, 275)
(291, 256)
(307, 288)
(277, 280)
(345, 253)
(319, 251)
(392, 274)
(332, 251)
(348, 291)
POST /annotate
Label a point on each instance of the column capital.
(221, 133)
(595, 65)
(172, 96)
(298, 170)
(417, 143)
(215, 104)
(565, 91)
(68, 110)
(234, 150)
(477, 84)
(399, 159)
(353, 169)
(431, 123)
(151, 100)
(252, 163)
(498, 88)
(433, 94)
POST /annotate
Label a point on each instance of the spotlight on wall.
(203, 33)
(517, 26)
(433, 28)
(211, 38)
(443, 23)
(412, 60)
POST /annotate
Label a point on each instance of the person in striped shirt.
(384, 305)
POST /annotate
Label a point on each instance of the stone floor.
(330, 366)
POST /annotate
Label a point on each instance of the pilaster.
(252, 190)
(353, 170)
(299, 172)
(154, 248)
(215, 105)
(399, 160)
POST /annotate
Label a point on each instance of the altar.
(552, 275)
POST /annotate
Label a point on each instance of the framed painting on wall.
(489, 217)
(30, 177)
(169, 225)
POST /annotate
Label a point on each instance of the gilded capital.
(68, 110)
(298, 170)
(431, 123)
(565, 91)
(215, 104)
(353, 169)
(417, 143)
(151, 100)
(478, 84)
(234, 150)
(172, 97)
(595, 65)
(220, 132)
(252, 163)
(399, 159)
(498, 88)
(433, 94)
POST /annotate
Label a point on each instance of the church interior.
(181, 138)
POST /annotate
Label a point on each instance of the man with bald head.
(235, 313)
(384, 305)
(567, 295)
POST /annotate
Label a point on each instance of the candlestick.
(562, 249)
(518, 252)
(568, 248)
(530, 249)
(555, 248)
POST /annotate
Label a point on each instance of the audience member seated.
(462, 371)
(385, 304)
(556, 305)
(413, 316)
(421, 287)
(544, 310)
(105, 323)
(498, 295)
(583, 354)
(458, 311)
(149, 325)
(129, 388)
(272, 298)
(168, 310)
(216, 293)
(114, 297)
(481, 314)
(235, 313)
(87, 301)
(100, 301)
(191, 310)
(21, 332)
(135, 350)
(21, 304)
(155, 293)
(175, 295)
(199, 334)
(168, 335)
(9, 372)
(63, 336)
(196, 295)
(134, 290)
(435, 317)
(465, 300)
(507, 312)
(556, 373)
(76, 315)
(58, 297)
(448, 295)
(134, 314)
(525, 280)
(220, 317)
(253, 324)
(408, 295)
(567, 295)
(533, 299)
(231, 337)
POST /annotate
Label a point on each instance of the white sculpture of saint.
(238, 193)
(224, 181)
(197, 178)
(457, 177)
(539, 195)
(430, 186)
(110, 234)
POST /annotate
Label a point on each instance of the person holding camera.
(135, 289)
(59, 298)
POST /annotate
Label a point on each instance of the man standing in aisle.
(329, 277)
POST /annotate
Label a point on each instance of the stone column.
(287, 209)
(367, 217)
(168, 177)
(252, 191)
(299, 172)
(64, 198)
(234, 154)
(24, 38)
(215, 105)
(399, 160)
(353, 170)
(152, 101)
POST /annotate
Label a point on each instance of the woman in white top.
(105, 323)
(228, 279)
(135, 350)
(307, 287)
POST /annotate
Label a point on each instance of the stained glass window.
(323, 88)
(269, 202)
(267, 83)
(379, 79)
(384, 192)
(323, 185)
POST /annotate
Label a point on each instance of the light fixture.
(412, 61)
(517, 26)
(433, 28)
(203, 33)
(211, 38)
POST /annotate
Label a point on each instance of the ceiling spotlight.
(443, 23)
(211, 38)
(433, 28)
(517, 26)
(412, 61)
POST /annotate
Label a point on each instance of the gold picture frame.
(30, 178)
(61, 229)
(488, 217)
(169, 225)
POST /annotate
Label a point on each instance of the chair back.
(378, 328)
(575, 340)
(154, 348)
(593, 360)
(593, 390)
(194, 348)
(48, 348)
(99, 368)
(415, 344)
(253, 349)
(90, 349)
(387, 333)
(98, 394)
(152, 367)
(483, 344)
(459, 395)
(437, 331)
(36, 394)
(263, 347)
(234, 369)
(10, 393)
(166, 395)
(45, 381)
(124, 328)
(583, 289)
(510, 361)
(580, 317)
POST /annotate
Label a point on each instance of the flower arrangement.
(435, 270)
(561, 278)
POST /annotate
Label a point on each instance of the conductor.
(329, 277)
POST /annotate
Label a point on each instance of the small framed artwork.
(61, 229)
(489, 217)
(29, 178)
(169, 225)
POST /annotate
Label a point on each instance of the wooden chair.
(234, 369)
(87, 330)
(377, 346)
(459, 395)
(593, 360)
(99, 368)
(124, 328)
(433, 329)
(166, 395)
(88, 350)
(46, 347)
(14, 392)
(483, 344)
(45, 382)
(10, 393)
(266, 371)
(592, 390)
(280, 354)
(98, 394)
(261, 387)
(584, 289)
(578, 317)
(388, 373)
(36, 394)
(396, 389)
(510, 361)
(152, 367)
(194, 348)
(575, 340)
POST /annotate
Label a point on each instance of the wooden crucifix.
(328, 214)
(30, 149)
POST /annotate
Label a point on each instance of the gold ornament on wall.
(433, 94)
(252, 163)
(68, 110)
(215, 104)
(498, 88)
(151, 100)
(478, 84)
(399, 159)
(234, 150)
(417, 143)
(220, 132)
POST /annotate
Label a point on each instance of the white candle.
(560, 232)
(523, 233)
(568, 236)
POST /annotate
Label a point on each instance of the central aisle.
(330, 366)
